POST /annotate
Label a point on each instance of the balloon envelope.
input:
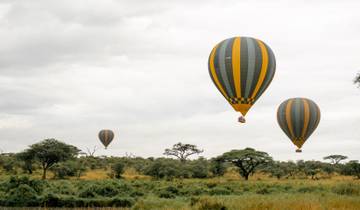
(298, 118)
(241, 68)
(106, 136)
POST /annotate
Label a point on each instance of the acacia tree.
(357, 80)
(51, 151)
(183, 151)
(247, 160)
(335, 159)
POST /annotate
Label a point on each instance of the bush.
(194, 190)
(220, 191)
(308, 189)
(118, 169)
(217, 167)
(15, 181)
(172, 189)
(263, 191)
(69, 169)
(165, 194)
(207, 204)
(347, 189)
(163, 168)
(199, 168)
(122, 202)
(105, 189)
(23, 195)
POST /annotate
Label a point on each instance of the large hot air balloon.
(298, 118)
(106, 136)
(241, 69)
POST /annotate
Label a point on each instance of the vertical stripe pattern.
(298, 118)
(241, 68)
(106, 136)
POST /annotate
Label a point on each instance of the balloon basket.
(298, 150)
(241, 119)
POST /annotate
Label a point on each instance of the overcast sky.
(70, 68)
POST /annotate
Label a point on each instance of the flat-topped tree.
(335, 159)
(357, 80)
(247, 160)
(51, 151)
(183, 151)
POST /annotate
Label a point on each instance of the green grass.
(228, 192)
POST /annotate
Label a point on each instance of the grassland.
(228, 192)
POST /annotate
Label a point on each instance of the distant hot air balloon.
(298, 118)
(241, 68)
(106, 136)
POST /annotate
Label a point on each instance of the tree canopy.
(335, 159)
(247, 160)
(49, 152)
(357, 80)
(182, 151)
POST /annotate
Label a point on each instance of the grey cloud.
(68, 69)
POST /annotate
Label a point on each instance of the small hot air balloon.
(106, 136)
(241, 68)
(298, 118)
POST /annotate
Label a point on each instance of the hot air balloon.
(106, 136)
(298, 118)
(241, 68)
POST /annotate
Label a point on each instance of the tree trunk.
(44, 173)
(246, 176)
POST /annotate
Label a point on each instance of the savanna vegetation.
(54, 174)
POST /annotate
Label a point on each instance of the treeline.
(65, 161)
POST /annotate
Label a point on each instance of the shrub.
(105, 189)
(165, 194)
(263, 190)
(194, 190)
(118, 169)
(122, 202)
(207, 204)
(220, 191)
(23, 195)
(163, 168)
(15, 181)
(211, 184)
(68, 169)
(172, 189)
(199, 168)
(308, 189)
(347, 189)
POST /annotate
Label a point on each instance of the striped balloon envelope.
(106, 136)
(298, 118)
(241, 68)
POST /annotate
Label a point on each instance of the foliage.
(335, 159)
(49, 152)
(182, 151)
(70, 168)
(247, 160)
(357, 79)
(118, 169)
(199, 168)
(352, 168)
(163, 168)
(217, 167)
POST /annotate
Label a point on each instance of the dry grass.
(96, 174)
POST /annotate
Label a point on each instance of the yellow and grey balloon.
(298, 118)
(242, 68)
(106, 136)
